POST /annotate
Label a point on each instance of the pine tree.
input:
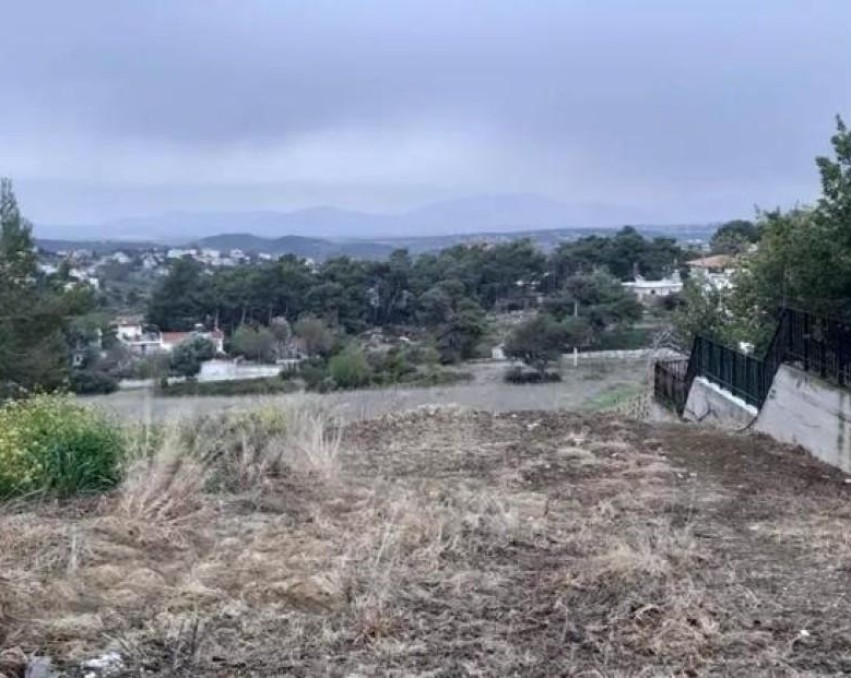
(33, 351)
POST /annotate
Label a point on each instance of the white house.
(715, 272)
(132, 333)
(120, 257)
(648, 290)
(169, 340)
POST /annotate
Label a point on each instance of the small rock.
(107, 664)
(803, 633)
(39, 667)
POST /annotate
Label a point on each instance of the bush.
(148, 367)
(186, 358)
(626, 339)
(314, 371)
(517, 375)
(50, 443)
(232, 387)
(90, 382)
(436, 377)
(349, 368)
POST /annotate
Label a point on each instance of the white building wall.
(804, 410)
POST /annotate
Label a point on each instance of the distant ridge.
(501, 213)
(376, 248)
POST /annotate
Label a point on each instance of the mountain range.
(321, 232)
(490, 213)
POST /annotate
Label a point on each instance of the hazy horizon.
(652, 113)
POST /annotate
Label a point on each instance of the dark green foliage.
(734, 237)
(254, 343)
(517, 375)
(93, 381)
(234, 387)
(803, 260)
(349, 368)
(314, 373)
(447, 292)
(622, 255)
(595, 304)
(317, 338)
(187, 357)
(625, 339)
(35, 312)
(457, 338)
(178, 300)
(539, 341)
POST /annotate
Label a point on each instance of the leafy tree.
(803, 259)
(599, 300)
(33, 314)
(459, 336)
(539, 341)
(315, 335)
(254, 343)
(187, 357)
(702, 312)
(178, 302)
(621, 255)
(435, 306)
(734, 237)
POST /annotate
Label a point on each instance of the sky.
(662, 110)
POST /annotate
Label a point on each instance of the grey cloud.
(687, 103)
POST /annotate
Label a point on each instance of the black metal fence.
(813, 343)
(743, 375)
(819, 345)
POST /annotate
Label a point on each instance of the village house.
(143, 340)
(169, 340)
(714, 272)
(648, 290)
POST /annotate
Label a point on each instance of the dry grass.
(439, 542)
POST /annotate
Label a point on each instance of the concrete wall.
(804, 410)
(710, 404)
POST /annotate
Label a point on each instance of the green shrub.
(234, 387)
(314, 371)
(517, 375)
(90, 382)
(349, 368)
(625, 339)
(436, 377)
(50, 443)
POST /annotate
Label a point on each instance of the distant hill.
(377, 248)
(322, 232)
(493, 214)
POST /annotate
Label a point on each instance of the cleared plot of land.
(447, 542)
(588, 386)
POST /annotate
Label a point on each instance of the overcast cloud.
(672, 111)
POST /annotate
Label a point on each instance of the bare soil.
(451, 542)
(583, 387)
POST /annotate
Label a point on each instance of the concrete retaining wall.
(804, 410)
(710, 404)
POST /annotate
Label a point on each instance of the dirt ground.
(450, 542)
(580, 388)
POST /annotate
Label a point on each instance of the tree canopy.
(35, 311)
